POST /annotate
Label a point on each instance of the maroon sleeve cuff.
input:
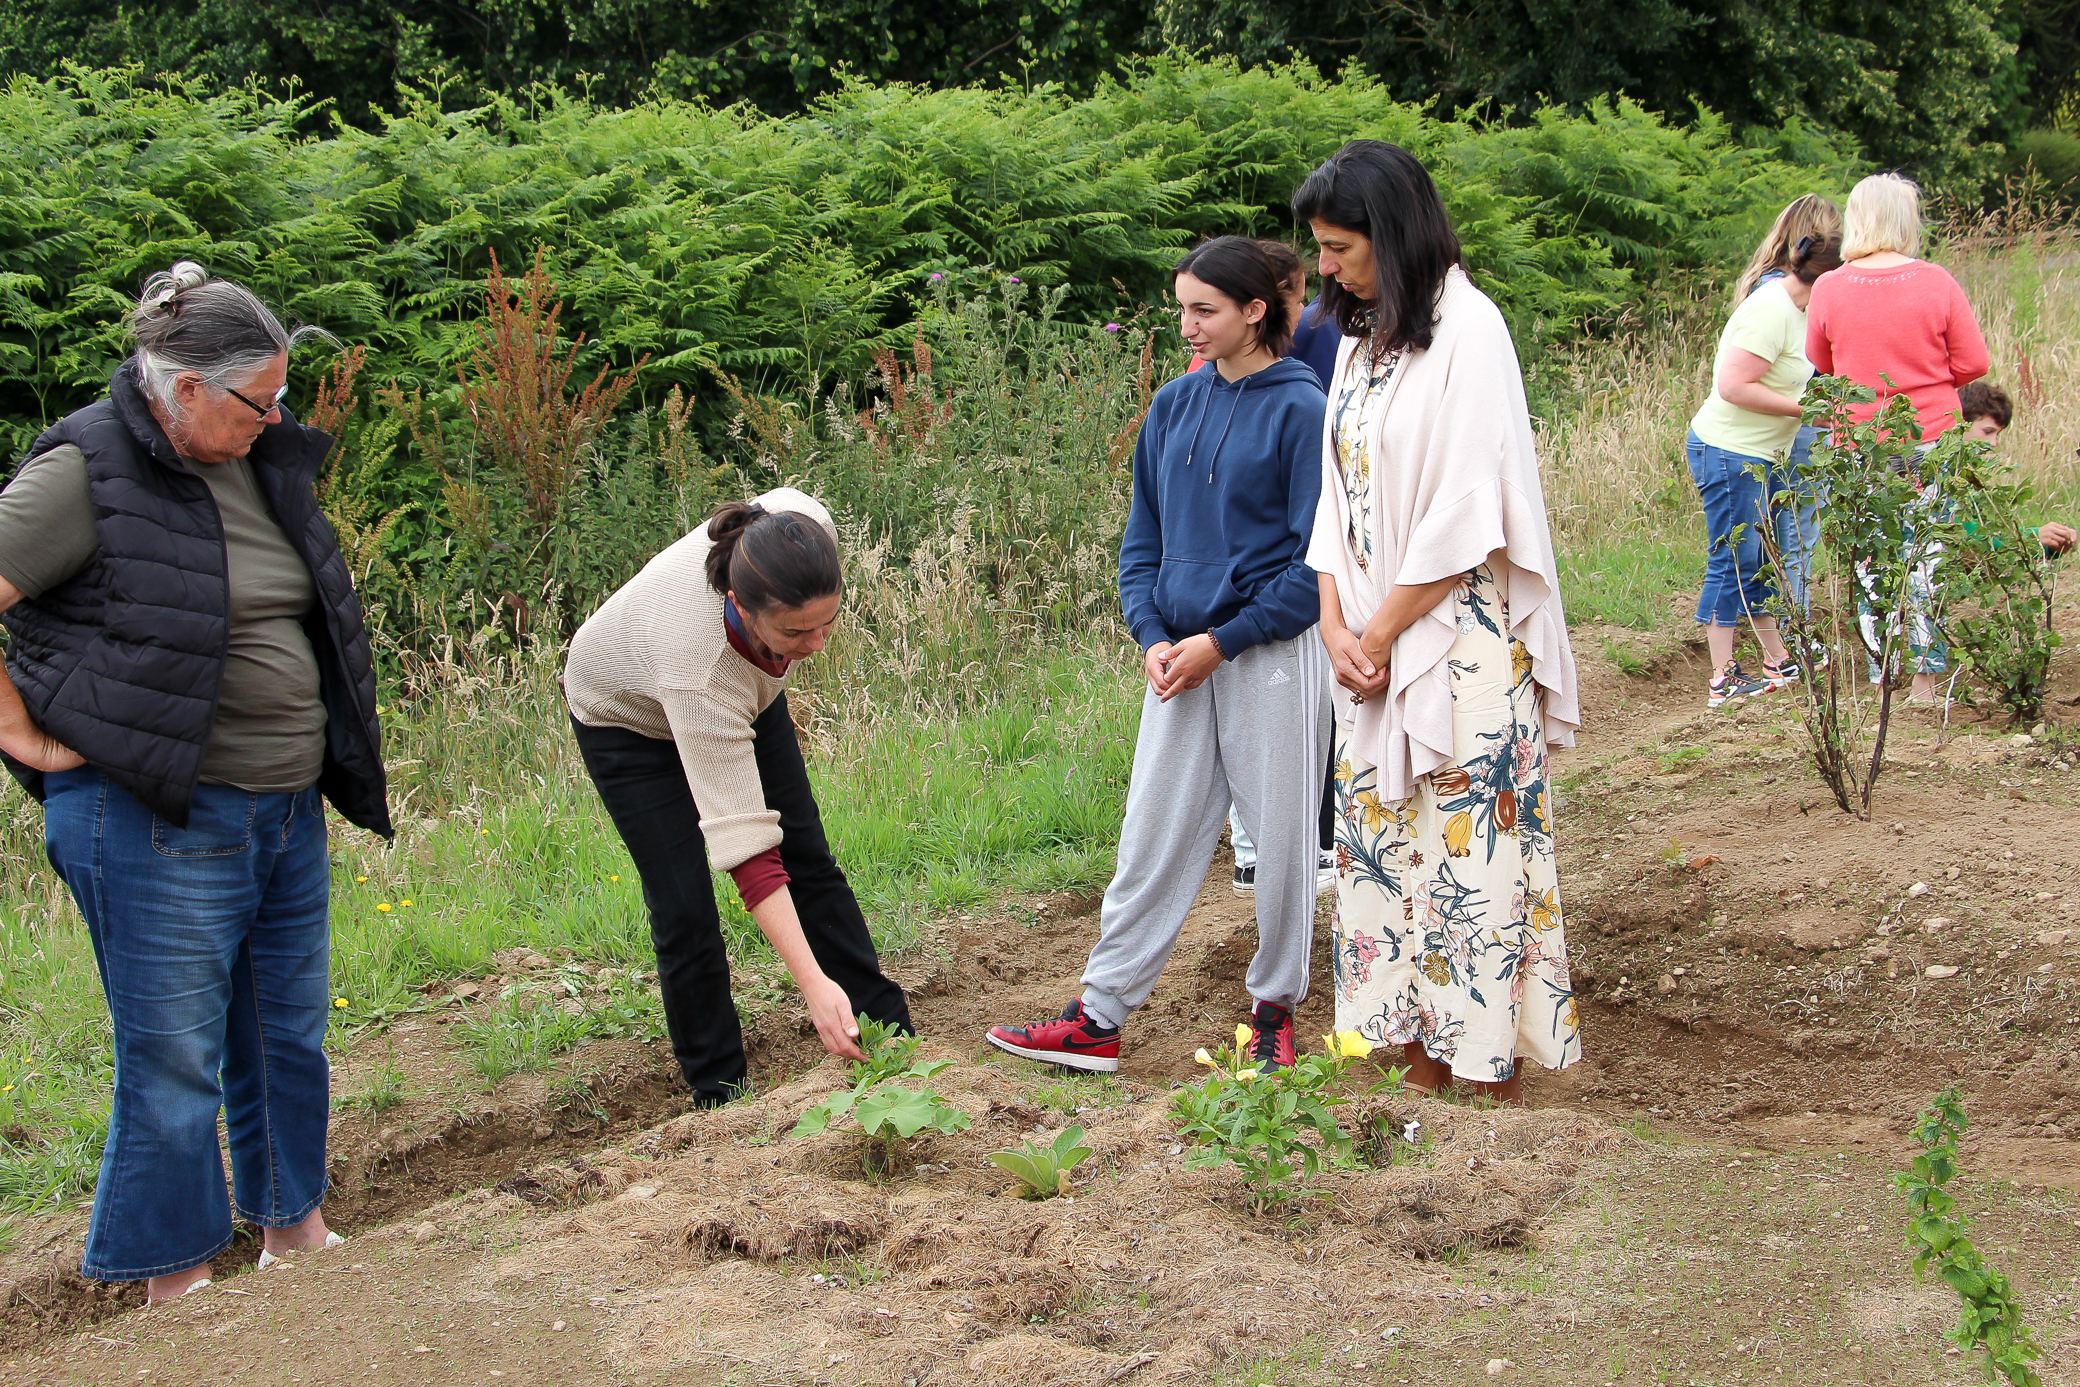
(759, 877)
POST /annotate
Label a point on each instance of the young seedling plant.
(1261, 1123)
(1043, 1171)
(888, 1114)
(1992, 1323)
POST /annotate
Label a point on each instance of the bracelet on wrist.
(1217, 645)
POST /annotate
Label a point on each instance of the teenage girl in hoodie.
(1226, 474)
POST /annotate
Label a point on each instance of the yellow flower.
(361, 878)
(406, 901)
(1344, 772)
(1545, 911)
(1519, 660)
(6, 1088)
(340, 1002)
(1204, 1058)
(1247, 1074)
(1370, 810)
(484, 832)
(1346, 1045)
(615, 877)
(1458, 832)
(1241, 1036)
(1437, 968)
(383, 906)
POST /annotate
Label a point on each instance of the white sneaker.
(268, 1259)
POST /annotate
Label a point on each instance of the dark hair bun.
(1814, 256)
(770, 559)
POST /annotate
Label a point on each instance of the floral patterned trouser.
(1448, 927)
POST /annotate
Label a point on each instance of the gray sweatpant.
(1252, 733)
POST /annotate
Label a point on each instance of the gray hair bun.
(161, 289)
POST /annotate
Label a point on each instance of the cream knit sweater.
(656, 659)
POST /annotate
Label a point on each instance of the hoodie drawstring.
(1214, 456)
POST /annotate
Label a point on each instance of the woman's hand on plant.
(831, 1010)
(1355, 670)
(2057, 538)
(1187, 665)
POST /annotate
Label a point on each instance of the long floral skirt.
(1448, 928)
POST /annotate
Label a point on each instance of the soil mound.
(728, 1242)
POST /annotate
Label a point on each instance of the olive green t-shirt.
(269, 735)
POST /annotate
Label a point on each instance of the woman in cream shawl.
(1441, 614)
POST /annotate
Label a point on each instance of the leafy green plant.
(518, 1037)
(1262, 1123)
(1678, 758)
(1996, 608)
(885, 1112)
(1043, 1171)
(1992, 1326)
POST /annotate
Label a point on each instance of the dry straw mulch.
(705, 1236)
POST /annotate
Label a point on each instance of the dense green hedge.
(783, 250)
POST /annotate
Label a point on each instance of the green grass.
(1640, 580)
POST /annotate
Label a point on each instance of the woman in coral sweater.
(1899, 325)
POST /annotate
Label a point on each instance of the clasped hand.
(1358, 668)
(1179, 668)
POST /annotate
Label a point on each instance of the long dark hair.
(771, 559)
(1243, 270)
(1383, 193)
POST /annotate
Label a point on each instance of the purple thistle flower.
(1014, 279)
(936, 277)
(1112, 327)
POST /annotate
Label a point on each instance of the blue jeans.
(1734, 584)
(1798, 521)
(213, 943)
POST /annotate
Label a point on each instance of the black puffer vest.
(122, 663)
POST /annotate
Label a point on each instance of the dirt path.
(1761, 1021)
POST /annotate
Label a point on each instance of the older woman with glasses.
(187, 673)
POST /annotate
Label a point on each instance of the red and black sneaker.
(1071, 1039)
(1270, 1039)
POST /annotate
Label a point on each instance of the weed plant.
(1043, 1172)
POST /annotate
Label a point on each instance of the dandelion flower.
(406, 901)
(340, 1002)
(615, 877)
(361, 878)
(383, 906)
(6, 1088)
(484, 832)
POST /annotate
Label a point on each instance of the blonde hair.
(1884, 213)
(1809, 216)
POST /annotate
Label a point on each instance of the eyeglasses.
(262, 410)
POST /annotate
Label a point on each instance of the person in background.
(1814, 218)
(1216, 593)
(188, 680)
(1440, 611)
(1987, 411)
(1745, 425)
(678, 697)
(1899, 325)
(1292, 275)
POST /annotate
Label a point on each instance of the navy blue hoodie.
(1226, 476)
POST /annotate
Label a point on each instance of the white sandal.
(268, 1259)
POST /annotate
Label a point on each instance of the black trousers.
(644, 787)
